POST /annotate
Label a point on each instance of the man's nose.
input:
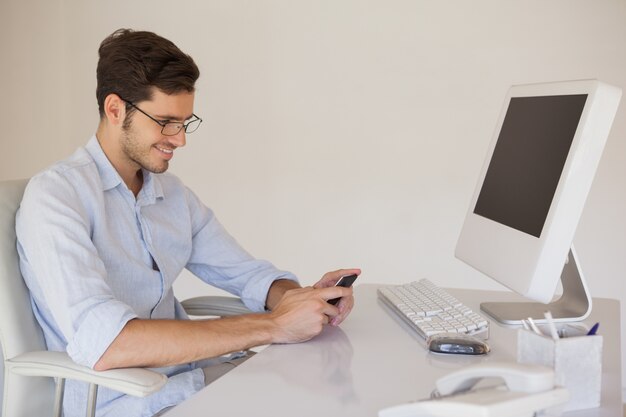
(179, 140)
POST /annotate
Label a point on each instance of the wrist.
(271, 328)
(277, 290)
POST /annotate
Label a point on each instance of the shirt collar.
(108, 174)
(151, 189)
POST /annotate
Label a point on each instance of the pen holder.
(576, 360)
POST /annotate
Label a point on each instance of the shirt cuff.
(255, 294)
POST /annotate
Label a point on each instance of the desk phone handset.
(528, 390)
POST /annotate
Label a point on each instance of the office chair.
(30, 370)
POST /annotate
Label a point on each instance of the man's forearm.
(158, 343)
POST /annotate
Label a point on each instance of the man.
(103, 235)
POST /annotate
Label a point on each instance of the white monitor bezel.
(526, 264)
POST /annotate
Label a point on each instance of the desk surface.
(374, 360)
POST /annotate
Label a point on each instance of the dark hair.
(133, 62)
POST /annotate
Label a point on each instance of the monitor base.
(573, 305)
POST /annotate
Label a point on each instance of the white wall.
(33, 107)
(336, 133)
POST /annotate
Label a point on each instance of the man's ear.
(114, 109)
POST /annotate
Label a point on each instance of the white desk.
(374, 361)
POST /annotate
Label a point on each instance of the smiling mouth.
(165, 150)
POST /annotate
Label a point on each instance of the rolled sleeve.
(96, 332)
(256, 287)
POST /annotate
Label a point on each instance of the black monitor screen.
(528, 159)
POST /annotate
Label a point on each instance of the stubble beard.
(140, 154)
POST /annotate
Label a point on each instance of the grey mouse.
(457, 343)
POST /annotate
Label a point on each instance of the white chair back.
(19, 331)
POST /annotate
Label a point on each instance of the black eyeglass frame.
(163, 125)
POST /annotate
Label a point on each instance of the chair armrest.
(215, 305)
(137, 382)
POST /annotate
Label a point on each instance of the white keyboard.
(429, 310)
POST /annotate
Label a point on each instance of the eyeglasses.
(172, 128)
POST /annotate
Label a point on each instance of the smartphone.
(345, 281)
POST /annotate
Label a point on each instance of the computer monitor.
(531, 192)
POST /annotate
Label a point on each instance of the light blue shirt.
(95, 257)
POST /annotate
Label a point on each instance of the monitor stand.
(573, 305)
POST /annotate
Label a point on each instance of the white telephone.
(528, 391)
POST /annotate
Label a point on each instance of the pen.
(593, 330)
(551, 325)
(534, 326)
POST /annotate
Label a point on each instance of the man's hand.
(346, 303)
(302, 313)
